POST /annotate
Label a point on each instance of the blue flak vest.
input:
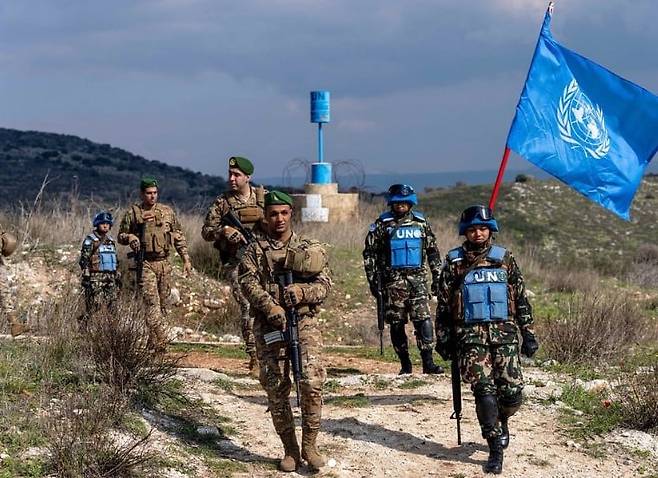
(484, 289)
(107, 255)
(406, 242)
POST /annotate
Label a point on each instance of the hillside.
(88, 170)
(557, 222)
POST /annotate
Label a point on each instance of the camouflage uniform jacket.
(449, 308)
(258, 269)
(163, 230)
(89, 257)
(377, 251)
(249, 211)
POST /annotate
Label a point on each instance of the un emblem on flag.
(581, 123)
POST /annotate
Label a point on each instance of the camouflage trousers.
(407, 299)
(155, 288)
(6, 300)
(246, 317)
(492, 370)
(100, 292)
(275, 375)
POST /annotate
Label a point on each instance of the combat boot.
(291, 459)
(405, 363)
(429, 367)
(495, 462)
(310, 451)
(504, 437)
(15, 327)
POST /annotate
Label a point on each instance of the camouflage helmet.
(8, 244)
(103, 217)
(477, 215)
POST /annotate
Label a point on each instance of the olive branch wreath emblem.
(564, 126)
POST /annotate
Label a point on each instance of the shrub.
(643, 269)
(592, 327)
(118, 344)
(81, 440)
(571, 280)
(639, 400)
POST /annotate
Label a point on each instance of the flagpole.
(499, 178)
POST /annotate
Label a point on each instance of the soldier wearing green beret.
(247, 203)
(278, 252)
(155, 227)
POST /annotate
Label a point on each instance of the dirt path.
(379, 424)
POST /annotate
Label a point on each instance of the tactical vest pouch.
(484, 296)
(250, 214)
(306, 261)
(406, 248)
(107, 258)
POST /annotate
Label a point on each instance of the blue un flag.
(585, 125)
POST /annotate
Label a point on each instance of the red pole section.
(499, 179)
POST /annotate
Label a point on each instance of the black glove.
(529, 345)
(446, 350)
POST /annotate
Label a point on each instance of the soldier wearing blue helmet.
(399, 245)
(98, 261)
(482, 308)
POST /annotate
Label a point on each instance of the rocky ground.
(375, 423)
(380, 424)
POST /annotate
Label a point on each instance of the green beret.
(148, 182)
(276, 198)
(243, 164)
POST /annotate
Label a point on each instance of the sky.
(416, 85)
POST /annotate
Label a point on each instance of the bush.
(81, 440)
(643, 269)
(592, 327)
(570, 281)
(123, 358)
(639, 401)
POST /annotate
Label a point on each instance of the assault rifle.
(380, 312)
(456, 396)
(290, 335)
(231, 219)
(139, 255)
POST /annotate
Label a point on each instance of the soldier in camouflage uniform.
(98, 261)
(247, 202)
(8, 245)
(162, 232)
(283, 250)
(482, 307)
(397, 246)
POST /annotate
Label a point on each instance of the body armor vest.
(249, 214)
(484, 290)
(405, 241)
(104, 256)
(157, 236)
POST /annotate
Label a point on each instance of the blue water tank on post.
(320, 114)
(320, 110)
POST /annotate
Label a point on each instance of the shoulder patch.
(372, 227)
(88, 242)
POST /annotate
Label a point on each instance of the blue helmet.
(102, 218)
(401, 193)
(477, 215)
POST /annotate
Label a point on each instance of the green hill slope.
(559, 222)
(90, 170)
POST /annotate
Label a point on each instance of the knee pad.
(509, 404)
(424, 333)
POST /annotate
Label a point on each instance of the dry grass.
(643, 269)
(589, 328)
